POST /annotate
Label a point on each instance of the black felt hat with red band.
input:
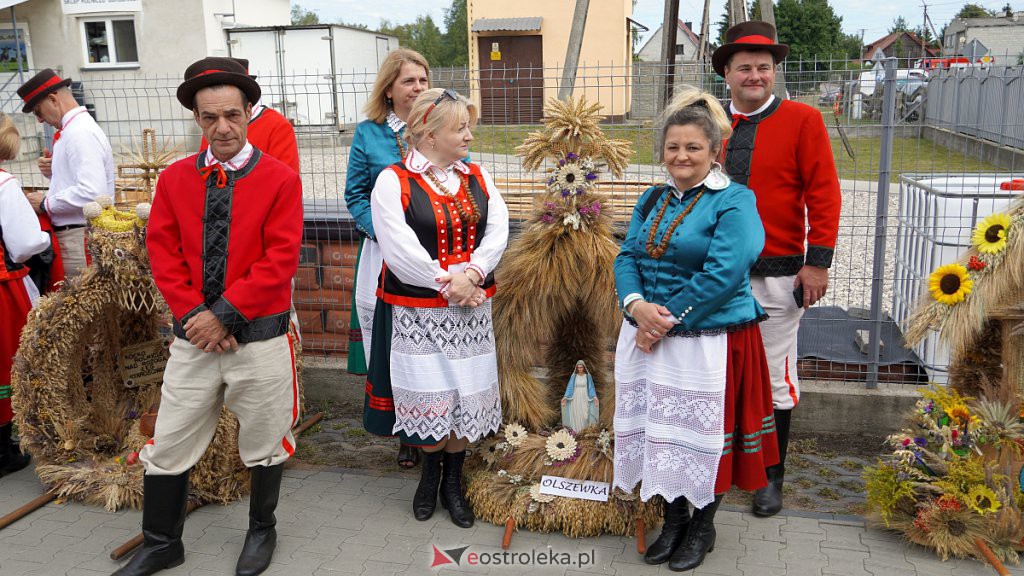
(38, 86)
(215, 71)
(750, 36)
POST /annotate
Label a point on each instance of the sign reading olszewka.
(569, 488)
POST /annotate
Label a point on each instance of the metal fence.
(981, 102)
(905, 178)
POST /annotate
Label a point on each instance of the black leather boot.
(11, 457)
(261, 538)
(677, 517)
(768, 500)
(699, 541)
(452, 497)
(425, 500)
(163, 519)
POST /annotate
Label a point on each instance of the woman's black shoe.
(677, 517)
(425, 500)
(700, 539)
(452, 497)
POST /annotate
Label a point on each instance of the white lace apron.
(444, 372)
(669, 415)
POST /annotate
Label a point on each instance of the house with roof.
(517, 51)
(903, 45)
(687, 44)
(1002, 36)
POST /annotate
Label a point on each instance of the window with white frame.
(110, 41)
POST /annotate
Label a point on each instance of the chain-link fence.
(920, 158)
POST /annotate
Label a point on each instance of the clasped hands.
(653, 321)
(206, 332)
(462, 288)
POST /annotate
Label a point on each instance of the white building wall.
(1005, 43)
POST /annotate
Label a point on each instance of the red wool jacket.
(790, 167)
(272, 133)
(232, 249)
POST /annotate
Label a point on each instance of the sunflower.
(515, 434)
(950, 284)
(537, 496)
(561, 445)
(570, 178)
(490, 452)
(949, 531)
(990, 235)
(983, 500)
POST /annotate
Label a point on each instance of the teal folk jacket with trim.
(704, 276)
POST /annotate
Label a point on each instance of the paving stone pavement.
(337, 522)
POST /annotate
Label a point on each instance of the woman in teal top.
(693, 409)
(377, 144)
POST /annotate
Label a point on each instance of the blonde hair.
(10, 138)
(447, 113)
(693, 107)
(378, 106)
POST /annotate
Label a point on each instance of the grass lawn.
(910, 155)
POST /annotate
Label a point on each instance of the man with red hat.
(223, 240)
(269, 131)
(780, 149)
(80, 168)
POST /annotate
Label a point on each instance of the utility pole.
(572, 53)
(924, 29)
(702, 55)
(669, 27)
(768, 15)
(737, 12)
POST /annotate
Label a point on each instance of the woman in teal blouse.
(377, 144)
(693, 400)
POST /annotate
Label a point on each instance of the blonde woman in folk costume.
(378, 143)
(693, 396)
(442, 227)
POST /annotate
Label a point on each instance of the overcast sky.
(871, 15)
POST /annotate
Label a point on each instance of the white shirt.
(403, 253)
(21, 233)
(237, 162)
(83, 168)
(733, 111)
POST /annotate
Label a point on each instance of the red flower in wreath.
(976, 264)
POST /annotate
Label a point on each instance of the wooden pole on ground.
(641, 536)
(25, 510)
(506, 540)
(987, 553)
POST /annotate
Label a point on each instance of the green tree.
(456, 35)
(303, 17)
(899, 25)
(423, 36)
(723, 25)
(813, 31)
(973, 11)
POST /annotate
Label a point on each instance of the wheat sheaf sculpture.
(89, 367)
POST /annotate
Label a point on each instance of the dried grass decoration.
(88, 368)
(954, 478)
(557, 294)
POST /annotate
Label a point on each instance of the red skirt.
(750, 443)
(14, 308)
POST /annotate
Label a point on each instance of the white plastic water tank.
(937, 215)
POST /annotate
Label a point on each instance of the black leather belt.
(68, 227)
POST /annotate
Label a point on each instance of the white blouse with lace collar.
(394, 122)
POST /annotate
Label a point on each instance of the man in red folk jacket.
(780, 149)
(223, 240)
